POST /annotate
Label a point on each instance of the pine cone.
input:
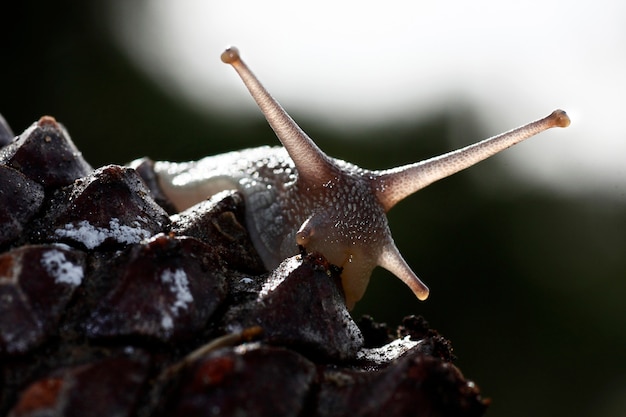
(111, 303)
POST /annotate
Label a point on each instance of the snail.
(297, 196)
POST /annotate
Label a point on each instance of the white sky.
(515, 61)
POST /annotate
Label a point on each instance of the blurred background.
(525, 254)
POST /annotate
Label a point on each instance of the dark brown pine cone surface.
(111, 303)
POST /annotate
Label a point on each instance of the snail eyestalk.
(308, 157)
(230, 55)
(561, 119)
(398, 183)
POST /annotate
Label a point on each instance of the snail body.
(296, 195)
(276, 201)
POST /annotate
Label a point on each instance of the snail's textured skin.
(276, 202)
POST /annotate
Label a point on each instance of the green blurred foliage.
(528, 284)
